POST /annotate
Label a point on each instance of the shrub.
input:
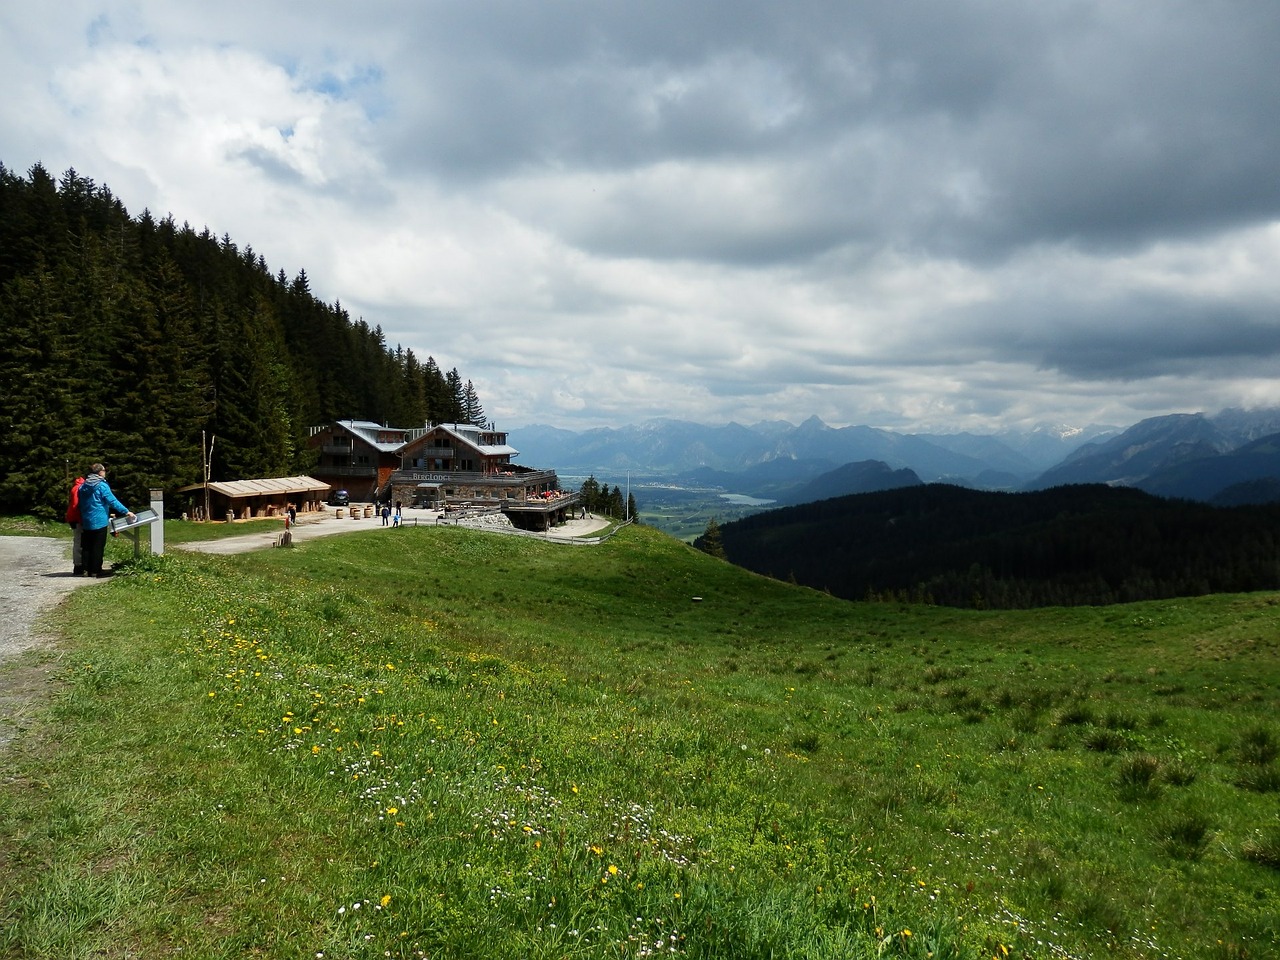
(1026, 720)
(1106, 741)
(1258, 747)
(1178, 773)
(1260, 779)
(1115, 720)
(1263, 848)
(1074, 715)
(1137, 775)
(1186, 835)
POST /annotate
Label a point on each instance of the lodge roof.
(368, 431)
(471, 435)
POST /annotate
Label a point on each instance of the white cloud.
(904, 216)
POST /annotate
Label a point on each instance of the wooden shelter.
(247, 499)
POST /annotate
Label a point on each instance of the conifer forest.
(135, 341)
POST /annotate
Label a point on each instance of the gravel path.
(35, 574)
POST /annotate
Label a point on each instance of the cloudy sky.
(914, 214)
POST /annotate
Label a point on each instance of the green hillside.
(444, 743)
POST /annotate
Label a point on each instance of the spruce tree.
(710, 542)
(472, 411)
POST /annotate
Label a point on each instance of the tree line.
(602, 501)
(129, 339)
(1067, 546)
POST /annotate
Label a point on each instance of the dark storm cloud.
(965, 128)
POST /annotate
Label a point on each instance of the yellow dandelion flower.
(392, 811)
(386, 899)
(613, 871)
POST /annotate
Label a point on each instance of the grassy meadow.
(442, 743)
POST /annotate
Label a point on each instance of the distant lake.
(742, 500)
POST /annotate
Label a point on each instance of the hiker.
(73, 518)
(97, 502)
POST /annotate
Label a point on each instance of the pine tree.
(472, 411)
(454, 411)
(710, 542)
(590, 494)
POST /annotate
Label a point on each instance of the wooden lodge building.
(446, 466)
(357, 456)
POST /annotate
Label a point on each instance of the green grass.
(456, 744)
(175, 531)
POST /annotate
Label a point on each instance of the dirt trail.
(35, 575)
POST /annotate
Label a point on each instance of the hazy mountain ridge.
(1190, 455)
(668, 447)
(866, 476)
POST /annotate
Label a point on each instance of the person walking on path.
(96, 505)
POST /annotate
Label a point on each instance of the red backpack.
(73, 502)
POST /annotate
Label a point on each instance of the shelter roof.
(238, 489)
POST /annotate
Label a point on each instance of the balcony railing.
(345, 470)
(521, 478)
(436, 453)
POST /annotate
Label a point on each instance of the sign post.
(157, 528)
(143, 518)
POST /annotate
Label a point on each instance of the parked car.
(340, 498)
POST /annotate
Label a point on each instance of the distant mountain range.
(1187, 456)
(1231, 457)
(781, 452)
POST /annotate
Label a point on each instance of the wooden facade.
(358, 456)
(446, 466)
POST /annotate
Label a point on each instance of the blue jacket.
(96, 503)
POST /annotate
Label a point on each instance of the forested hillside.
(126, 337)
(1071, 545)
